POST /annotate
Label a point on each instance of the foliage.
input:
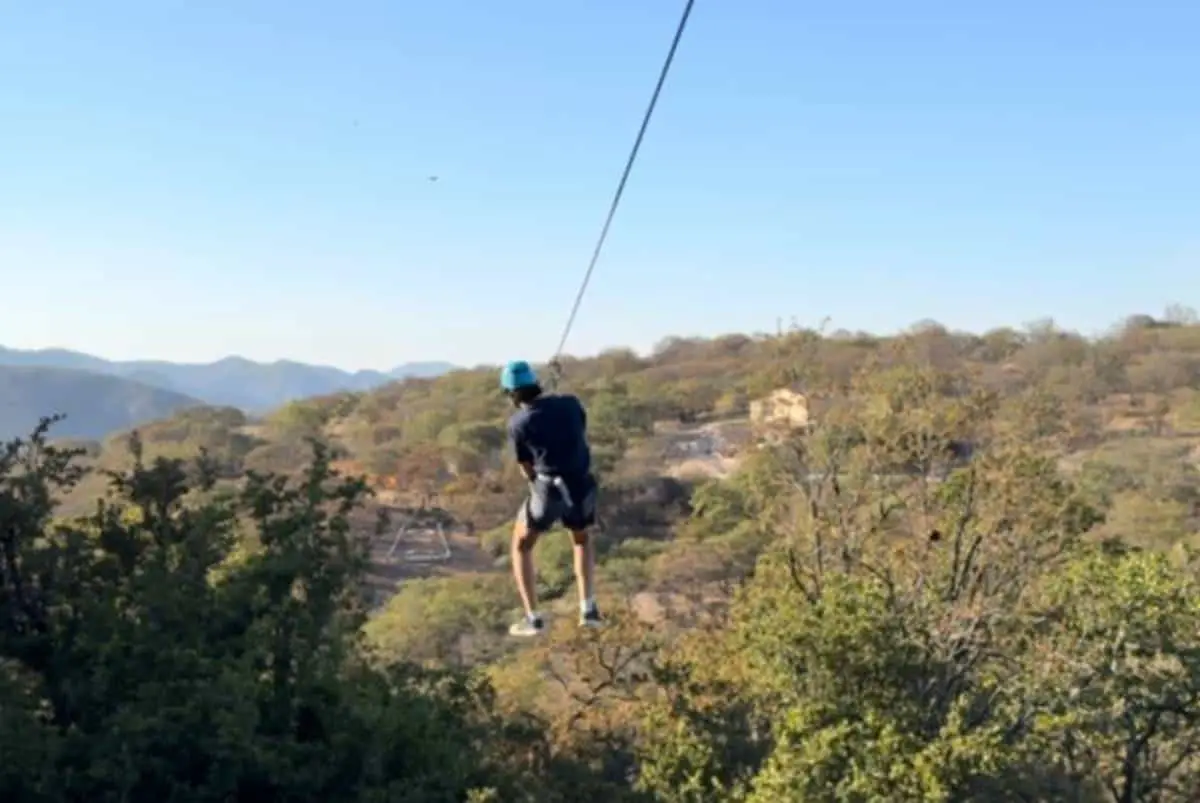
(443, 619)
(871, 654)
(129, 672)
(971, 578)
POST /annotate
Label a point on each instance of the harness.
(556, 481)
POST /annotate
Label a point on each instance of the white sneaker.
(528, 627)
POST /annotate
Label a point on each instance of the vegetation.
(971, 579)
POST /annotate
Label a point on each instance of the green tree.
(135, 665)
(299, 420)
(863, 658)
(1116, 679)
(614, 418)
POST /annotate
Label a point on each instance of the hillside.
(233, 381)
(95, 404)
(1012, 621)
(440, 441)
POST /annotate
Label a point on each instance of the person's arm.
(524, 457)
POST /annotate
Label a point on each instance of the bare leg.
(585, 565)
(522, 564)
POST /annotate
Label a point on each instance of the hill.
(233, 381)
(95, 404)
(680, 412)
(848, 606)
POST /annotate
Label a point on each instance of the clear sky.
(186, 180)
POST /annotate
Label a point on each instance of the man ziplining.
(549, 435)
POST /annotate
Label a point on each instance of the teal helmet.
(516, 375)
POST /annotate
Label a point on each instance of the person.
(549, 436)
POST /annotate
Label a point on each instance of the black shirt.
(551, 433)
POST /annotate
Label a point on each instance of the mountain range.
(94, 404)
(233, 381)
(99, 395)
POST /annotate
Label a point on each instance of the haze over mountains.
(94, 404)
(100, 395)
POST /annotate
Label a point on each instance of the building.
(784, 408)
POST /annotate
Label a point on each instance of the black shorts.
(570, 501)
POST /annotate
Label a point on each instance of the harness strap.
(561, 484)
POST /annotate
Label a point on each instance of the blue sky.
(189, 180)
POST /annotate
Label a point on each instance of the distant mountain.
(233, 381)
(95, 403)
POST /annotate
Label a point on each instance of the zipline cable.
(616, 201)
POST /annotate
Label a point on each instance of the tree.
(422, 470)
(136, 665)
(1180, 315)
(1117, 677)
(299, 420)
(864, 659)
(932, 594)
(613, 419)
(478, 444)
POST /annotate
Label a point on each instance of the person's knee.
(524, 538)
